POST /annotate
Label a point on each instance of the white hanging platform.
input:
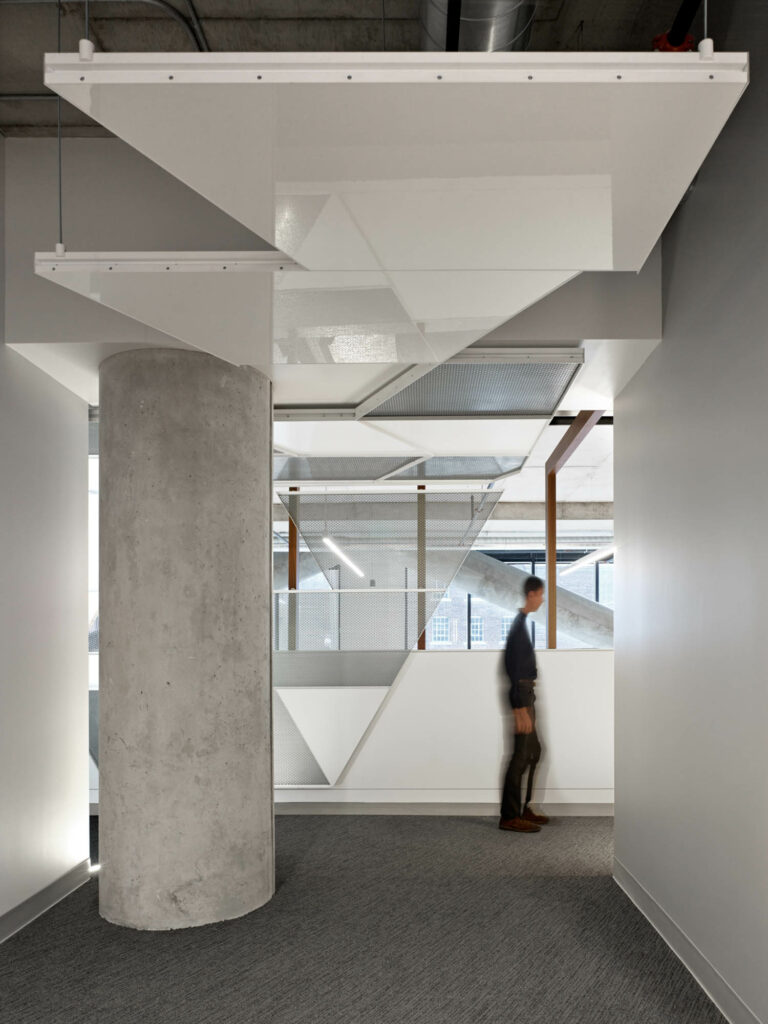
(424, 161)
(259, 309)
(414, 201)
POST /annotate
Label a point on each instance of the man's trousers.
(524, 758)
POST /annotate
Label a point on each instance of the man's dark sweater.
(520, 663)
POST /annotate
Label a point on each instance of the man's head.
(533, 592)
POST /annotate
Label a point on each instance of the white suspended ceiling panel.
(259, 308)
(338, 437)
(505, 437)
(465, 437)
(416, 201)
(333, 384)
(429, 161)
(218, 302)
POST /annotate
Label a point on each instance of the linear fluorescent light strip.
(337, 551)
(598, 555)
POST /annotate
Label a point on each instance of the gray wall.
(691, 495)
(43, 630)
(114, 199)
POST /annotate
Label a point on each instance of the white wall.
(691, 495)
(43, 631)
(441, 734)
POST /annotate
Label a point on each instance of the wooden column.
(551, 552)
(293, 564)
(569, 442)
(421, 566)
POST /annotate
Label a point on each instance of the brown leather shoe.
(534, 818)
(518, 825)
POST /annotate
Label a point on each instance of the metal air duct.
(481, 25)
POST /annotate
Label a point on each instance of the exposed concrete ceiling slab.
(28, 30)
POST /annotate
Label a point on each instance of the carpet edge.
(725, 998)
(18, 917)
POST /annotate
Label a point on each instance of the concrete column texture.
(185, 793)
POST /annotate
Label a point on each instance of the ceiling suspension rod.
(199, 40)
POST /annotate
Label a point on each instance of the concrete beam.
(502, 584)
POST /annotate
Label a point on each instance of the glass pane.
(579, 581)
(447, 629)
(606, 584)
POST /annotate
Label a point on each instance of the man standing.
(520, 663)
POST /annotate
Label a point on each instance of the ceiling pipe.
(170, 10)
(476, 25)
(678, 38)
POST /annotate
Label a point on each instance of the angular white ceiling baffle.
(428, 161)
(426, 197)
(260, 308)
(218, 302)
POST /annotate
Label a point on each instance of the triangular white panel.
(332, 720)
(296, 216)
(334, 239)
(294, 762)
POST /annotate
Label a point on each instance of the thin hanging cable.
(87, 21)
(383, 26)
(58, 131)
(706, 19)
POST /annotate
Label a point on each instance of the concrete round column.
(185, 791)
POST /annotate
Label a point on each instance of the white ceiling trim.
(316, 68)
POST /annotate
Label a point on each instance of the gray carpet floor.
(377, 920)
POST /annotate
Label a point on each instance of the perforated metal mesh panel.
(379, 534)
(327, 470)
(339, 620)
(295, 764)
(482, 389)
(455, 467)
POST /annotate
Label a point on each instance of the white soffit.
(596, 447)
(336, 437)
(430, 161)
(337, 385)
(76, 364)
(502, 437)
(608, 368)
(463, 436)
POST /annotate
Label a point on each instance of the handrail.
(367, 590)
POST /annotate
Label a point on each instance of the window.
(506, 625)
(441, 630)
(477, 630)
